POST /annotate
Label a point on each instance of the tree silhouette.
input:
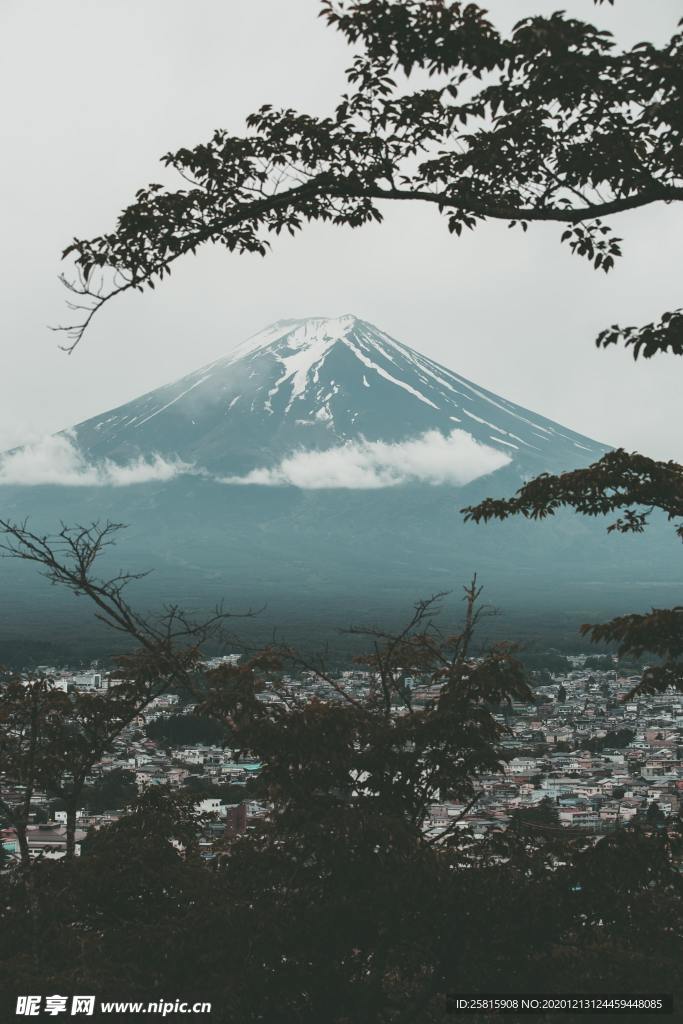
(113, 791)
(655, 815)
(550, 123)
(389, 916)
(54, 740)
(536, 817)
(634, 486)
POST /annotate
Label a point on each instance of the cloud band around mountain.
(432, 458)
(57, 460)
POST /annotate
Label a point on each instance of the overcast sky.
(96, 92)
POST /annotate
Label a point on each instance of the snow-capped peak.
(300, 347)
(320, 382)
(301, 334)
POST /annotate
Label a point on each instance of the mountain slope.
(319, 470)
(316, 384)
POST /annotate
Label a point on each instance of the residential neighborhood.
(597, 757)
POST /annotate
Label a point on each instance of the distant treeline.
(186, 730)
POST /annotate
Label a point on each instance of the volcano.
(318, 471)
(317, 385)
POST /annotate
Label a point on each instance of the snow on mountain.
(336, 385)
(319, 470)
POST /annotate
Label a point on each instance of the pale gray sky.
(96, 92)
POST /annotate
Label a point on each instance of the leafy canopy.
(634, 486)
(550, 123)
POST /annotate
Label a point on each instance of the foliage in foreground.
(342, 907)
(551, 123)
(352, 918)
(635, 487)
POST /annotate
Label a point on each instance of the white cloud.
(58, 460)
(431, 458)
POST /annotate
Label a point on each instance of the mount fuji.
(319, 469)
(330, 385)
